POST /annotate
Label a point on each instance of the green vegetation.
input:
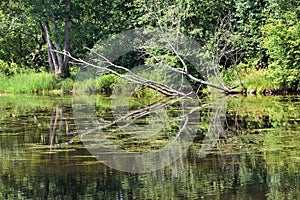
(281, 38)
(259, 39)
(106, 83)
(28, 83)
(258, 80)
(44, 82)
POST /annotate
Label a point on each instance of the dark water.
(255, 154)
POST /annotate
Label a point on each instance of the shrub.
(10, 69)
(106, 83)
(257, 80)
(66, 84)
(281, 38)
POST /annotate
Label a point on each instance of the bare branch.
(133, 78)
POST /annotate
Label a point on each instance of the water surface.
(254, 156)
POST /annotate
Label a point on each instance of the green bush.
(10, 69)
(281, 38)
(66, 84)
(257, 80)
(229, 77)
(106, 83)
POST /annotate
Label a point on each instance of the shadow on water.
(255, 157)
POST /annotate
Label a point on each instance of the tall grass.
(252, 79)
(3, 83)
(28, 83)
(103, 84)
(66, 85)
(258, 80)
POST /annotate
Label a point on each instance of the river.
(253, 154)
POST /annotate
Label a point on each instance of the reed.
(28, 83)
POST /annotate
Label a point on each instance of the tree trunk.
(57, 61)
(51, 55)
(52, 69)
(65, 69)
(56, 45)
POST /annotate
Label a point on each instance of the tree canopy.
(253, 35)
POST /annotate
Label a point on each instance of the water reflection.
(257, 158)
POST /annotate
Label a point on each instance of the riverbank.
(255, 83)
(258, 82)
(34, 83)
(48, 83)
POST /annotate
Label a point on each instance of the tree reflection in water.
(258, 158)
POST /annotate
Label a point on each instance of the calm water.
(255, 154)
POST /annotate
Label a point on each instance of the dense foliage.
(258, 37)
(281, 38)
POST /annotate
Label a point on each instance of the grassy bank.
(258, 81)
(44, 83)
(34, 83)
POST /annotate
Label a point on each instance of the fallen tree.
(165, 47)
(133, 78)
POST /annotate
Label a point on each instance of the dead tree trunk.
(58, 63)
(51, 55)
